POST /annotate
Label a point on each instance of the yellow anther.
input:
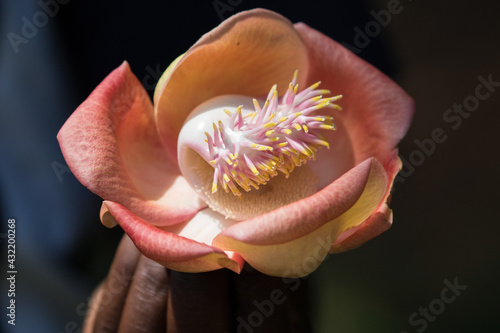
(322, 105)
(306, 152)
(254, 170)
(305, 128)
(234, 190)
(327, 127)
(256, 104)
(226, 178)
(324, 92)
(297, 127)
(269, 132)
(229, 113)
(261, 147)
(315, 85)
(316, 98)
(263, 167)
(244, 184)
(324, 143)
(286, 131)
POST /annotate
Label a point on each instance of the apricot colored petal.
(293, 240)
(244, 55)
(170, 250)
(112, 147)
(376, 111)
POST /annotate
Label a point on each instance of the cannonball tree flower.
(245, 155)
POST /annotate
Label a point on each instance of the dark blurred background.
(445, 230)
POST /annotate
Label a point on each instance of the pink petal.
(170, 250)
(112, 147)
(294, 239)
(376, 111)
(244, 55)
(378, 222)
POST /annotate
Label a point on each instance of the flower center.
(280, 135)
(239, 144)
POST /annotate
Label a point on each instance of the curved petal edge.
(112, 147)
(170, 250)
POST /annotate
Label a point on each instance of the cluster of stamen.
(278, 136)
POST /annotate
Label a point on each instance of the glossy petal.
(112, 147)
(244, 55)
(376, 111)
(293, 240)
(170, 250)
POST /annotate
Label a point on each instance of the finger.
(106, 310)
(268, 304)
(199, 302)
(88, 323)
(146, 305)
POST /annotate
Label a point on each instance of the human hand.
(140, 295)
